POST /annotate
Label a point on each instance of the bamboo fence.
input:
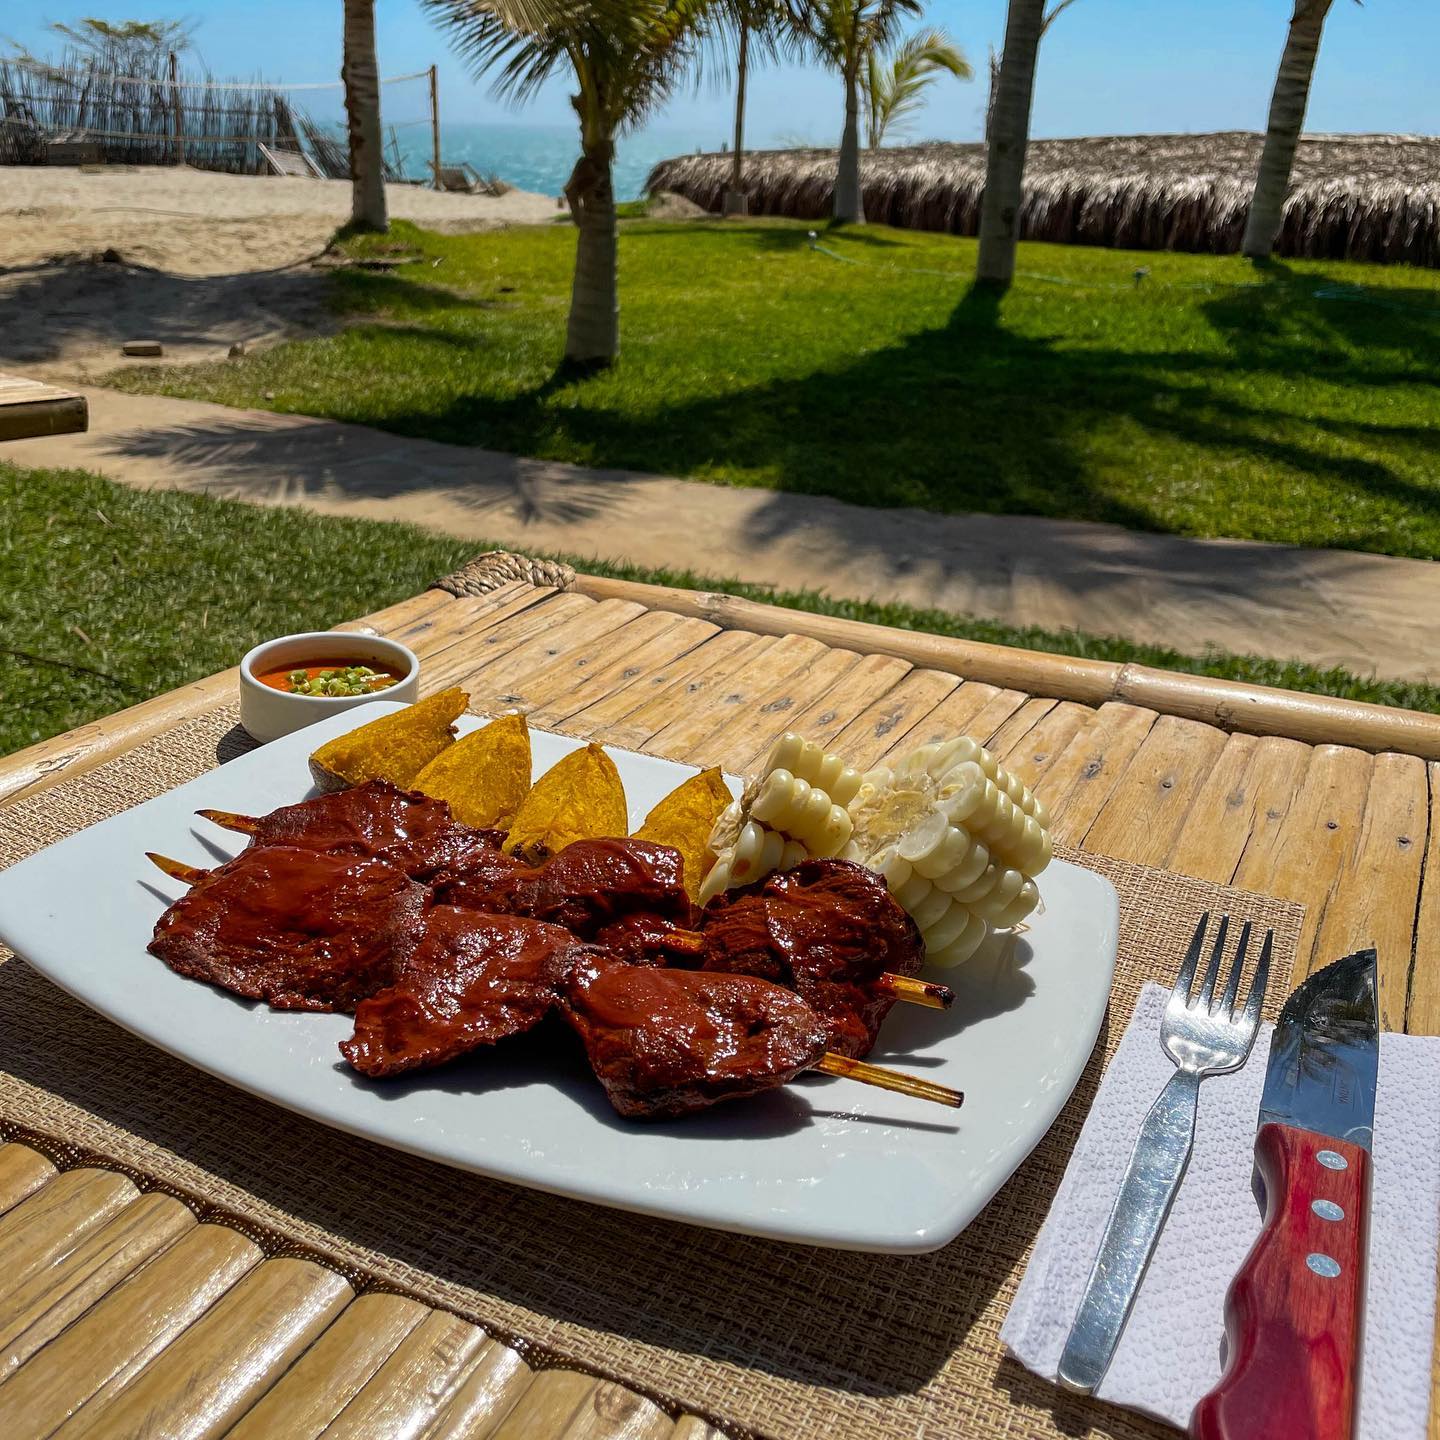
(144, 119)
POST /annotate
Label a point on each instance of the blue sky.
(1107, 66)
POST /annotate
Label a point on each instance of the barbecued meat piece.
(665, 1042)
(380, 822)
(642, 939)
(826, 929)
(586, 887)
(301, 929)
(470, 981)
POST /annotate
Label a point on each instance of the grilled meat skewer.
(306, 930)
(811, 931)
(626, 894)
(470, 981)
(376, 820)
(662, 1042)
(831, 931)
(299, 929)
(666, 1042)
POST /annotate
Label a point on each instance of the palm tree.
(1009, 136)
(757, 28)
(1045, 25)
(1282, 133)
(624, 57)
(897, 78)
(846, 33)
(360, 72)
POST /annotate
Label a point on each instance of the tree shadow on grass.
(972, 415)
(369, 296)
(1307, 323)
(968, 415)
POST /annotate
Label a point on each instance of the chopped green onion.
(341, 681)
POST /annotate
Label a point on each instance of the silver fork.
(1203, 1038)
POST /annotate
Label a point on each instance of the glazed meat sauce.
(825, 929)
(661, 1042)
(326, 911)
(666, 1042)
(591, 887)
(470, 981)
(300, 929)
(381, 822)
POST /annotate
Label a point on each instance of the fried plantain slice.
(684, 820)
(579, 798)
(484, 776)
(396, 747)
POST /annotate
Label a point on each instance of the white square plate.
(825, 1161)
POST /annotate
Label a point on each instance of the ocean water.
(540, 157)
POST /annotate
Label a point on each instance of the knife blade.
(1293, 1311)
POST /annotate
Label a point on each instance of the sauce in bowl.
(324, 677)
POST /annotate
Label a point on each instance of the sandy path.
(206, 260)
(1369, 613)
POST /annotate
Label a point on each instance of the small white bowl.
(267, 713)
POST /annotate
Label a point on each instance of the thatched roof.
(1360, 197)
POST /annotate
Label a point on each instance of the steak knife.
(1293, 1312)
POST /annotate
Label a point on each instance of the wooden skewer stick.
(228, 820)
(844, 1066)
(914, 992)
(176, 869)
(918, 992)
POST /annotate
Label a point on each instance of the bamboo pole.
(177, 154)
(1227, 704)
(435, 126)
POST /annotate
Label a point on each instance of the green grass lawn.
(109, 595)
(1295, 402)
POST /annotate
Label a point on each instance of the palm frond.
(896, 80)
(767, 22)
(626, 56)
(844, 32)
(1054, 14)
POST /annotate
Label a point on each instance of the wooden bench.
(29, 408)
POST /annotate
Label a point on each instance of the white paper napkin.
(1170, 1353)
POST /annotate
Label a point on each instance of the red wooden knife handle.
(1293, 1313)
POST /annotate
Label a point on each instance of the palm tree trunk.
(1009, 136)
(736, 202)
(994, 88)
(592, 340)
(849, 202)
(361, 75)
(1282, 134)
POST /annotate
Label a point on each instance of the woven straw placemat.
(760, 1337)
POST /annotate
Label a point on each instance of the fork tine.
(1229, 1001)
(1212, 970)
(1186, 977)
(1251, 1017)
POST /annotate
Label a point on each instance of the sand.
(197, 260)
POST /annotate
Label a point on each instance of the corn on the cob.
(958, 838)
(794, 810)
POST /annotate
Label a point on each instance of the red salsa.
(324, 677)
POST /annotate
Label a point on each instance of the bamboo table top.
(1351, 834)
(30, 407)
